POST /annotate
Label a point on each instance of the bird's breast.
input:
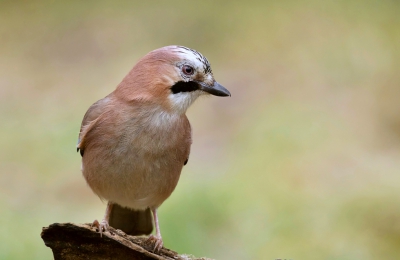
(140, 165)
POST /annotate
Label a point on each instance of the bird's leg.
(103, 225)
(157, 239)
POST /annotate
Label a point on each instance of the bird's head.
(173, 77)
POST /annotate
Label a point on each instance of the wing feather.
(89, 120)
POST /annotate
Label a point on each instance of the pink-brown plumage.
(135, 141)
(135, 160)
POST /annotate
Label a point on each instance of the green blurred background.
(302, 162)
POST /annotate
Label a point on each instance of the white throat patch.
(180, 102)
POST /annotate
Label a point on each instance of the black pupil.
(188, 70)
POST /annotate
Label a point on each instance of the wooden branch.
(80, 241)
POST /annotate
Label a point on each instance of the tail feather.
(132, 222)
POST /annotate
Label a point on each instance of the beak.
(216, 89)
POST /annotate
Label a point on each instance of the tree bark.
(80, 241)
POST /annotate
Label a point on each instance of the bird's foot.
(157, 241)
(102, 226)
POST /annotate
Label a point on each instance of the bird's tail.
(132, 222)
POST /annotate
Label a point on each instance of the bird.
(135, 141)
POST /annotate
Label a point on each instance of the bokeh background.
(302, 162)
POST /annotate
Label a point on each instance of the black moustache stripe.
(182, 86)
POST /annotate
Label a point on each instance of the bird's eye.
(187, 70)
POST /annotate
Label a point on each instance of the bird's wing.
(89, 120)
(189, 142)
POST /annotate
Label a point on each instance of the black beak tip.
(220, 90)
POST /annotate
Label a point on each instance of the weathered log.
(81, 241)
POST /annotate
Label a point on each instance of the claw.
(95, 223)
(158, 243)
(102, 226)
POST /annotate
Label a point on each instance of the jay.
(135, 141)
